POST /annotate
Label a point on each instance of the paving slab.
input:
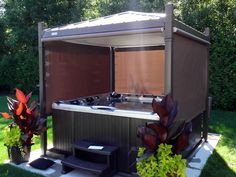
(196, 165)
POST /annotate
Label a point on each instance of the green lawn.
(3, 123)
(10, 171)
(222, 163)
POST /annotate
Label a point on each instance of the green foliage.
(19, 71)
(111, 7)
(96, 8)
(12, 136)
(149, 5)
(141, 151)
(19, 65)
(161, 164)
(2, 37)
(25, 74)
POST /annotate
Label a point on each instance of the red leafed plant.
(167, 130)
(25, 117)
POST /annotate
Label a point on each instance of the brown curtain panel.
(139, 71)
(74, 70)
(189, 80)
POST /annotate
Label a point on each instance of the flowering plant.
(25, 117)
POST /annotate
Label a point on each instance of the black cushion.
(41, 163)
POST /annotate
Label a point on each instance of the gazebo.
(131, 52)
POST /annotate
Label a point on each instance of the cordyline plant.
(167, 130)
(25, 117)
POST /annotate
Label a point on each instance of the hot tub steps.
(84, 146)
(93, 157)
(74, 162)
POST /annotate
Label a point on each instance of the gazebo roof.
(124, 17)
(108, 25)
(126, 29)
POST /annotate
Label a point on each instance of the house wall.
(140, 70)
(189, 76)
(74, 70)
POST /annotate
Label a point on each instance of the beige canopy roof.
(139, 28)
(126, 29)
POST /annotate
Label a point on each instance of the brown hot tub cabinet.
(137, 54)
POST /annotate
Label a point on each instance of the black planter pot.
(18, 155)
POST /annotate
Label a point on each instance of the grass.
(36, 139)
(3, 123)
(10, 171)
(223, 160)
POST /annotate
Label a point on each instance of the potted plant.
(163, 140)
(26, 120)
(12, 141)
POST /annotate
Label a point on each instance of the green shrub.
(161, 164)
(2, 37)
(222, 83)
(12, 136)
(19, 71)
(27, 72)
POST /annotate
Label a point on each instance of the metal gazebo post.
(208, 99)
(42, 96)
(168, 35)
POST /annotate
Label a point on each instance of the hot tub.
(110, 119)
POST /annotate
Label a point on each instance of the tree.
(96, 8)
(21, 19)
(2, 37)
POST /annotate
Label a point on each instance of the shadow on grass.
(217, 167)
(7, 170)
